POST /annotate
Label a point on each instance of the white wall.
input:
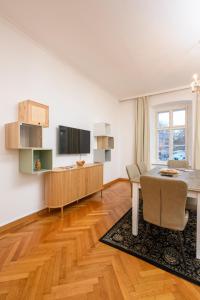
(127, 137)
(29, 72)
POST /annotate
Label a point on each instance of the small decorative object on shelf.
(80, 163)
(37, 165)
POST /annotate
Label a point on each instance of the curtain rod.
(157, 93)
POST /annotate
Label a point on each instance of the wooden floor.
(54, 258)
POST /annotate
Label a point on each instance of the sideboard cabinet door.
(94, 179)
(77, 184)
(55, 189)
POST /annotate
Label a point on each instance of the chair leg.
(182, 250)
(131, 189)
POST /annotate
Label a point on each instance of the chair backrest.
(142, 167)
(132, 171)
(178, 164)
(164, 201)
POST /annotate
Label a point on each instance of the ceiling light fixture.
(195, 85)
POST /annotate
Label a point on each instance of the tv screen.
(73, 140)
(84, 141)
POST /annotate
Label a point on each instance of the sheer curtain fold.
(197, 135)
(142, 131)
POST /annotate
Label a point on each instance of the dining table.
(189, 176)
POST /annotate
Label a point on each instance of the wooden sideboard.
(66, 185)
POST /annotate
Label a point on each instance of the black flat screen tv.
(73, 140)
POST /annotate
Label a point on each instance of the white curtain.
(142, 131)
(197, 135)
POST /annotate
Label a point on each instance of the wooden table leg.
(135, 207)
(101, 193)
(198, 227)
(62, 212)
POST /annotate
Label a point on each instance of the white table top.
(191, 177)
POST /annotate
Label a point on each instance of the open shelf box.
(28, 157)
(102, 155)
(105, 142)
(20, 135)
(102, 129)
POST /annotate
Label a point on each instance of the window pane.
(163, 154)
(163, 119)
(178, 137)
(179, 144)
(179, 117)
(179, 152)
(163, 145)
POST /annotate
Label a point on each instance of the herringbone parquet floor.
(54, 258)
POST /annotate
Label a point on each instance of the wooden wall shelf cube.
(20, 135)
(102, 129)
(102, 155)
(105, 142)
(28, 157)
(31, 112)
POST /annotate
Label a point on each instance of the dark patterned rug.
(161, 247)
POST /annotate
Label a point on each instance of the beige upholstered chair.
(142, 167)
(178, 164)
(191, 202)
(132, 172)
(164, 203)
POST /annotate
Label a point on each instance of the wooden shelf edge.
(41, 171)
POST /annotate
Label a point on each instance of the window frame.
(170, 128)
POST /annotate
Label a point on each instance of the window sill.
(158, 163)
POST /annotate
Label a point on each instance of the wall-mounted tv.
(73, 140)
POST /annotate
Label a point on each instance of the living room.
(89, 88)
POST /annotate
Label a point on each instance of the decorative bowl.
(80, 163)
(169, 172)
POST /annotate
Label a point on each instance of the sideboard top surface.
(71, 168)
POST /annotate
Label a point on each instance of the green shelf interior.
(45, 157)
(28, 157)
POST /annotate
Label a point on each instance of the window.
(171, 135)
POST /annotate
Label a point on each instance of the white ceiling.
(129, 47)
